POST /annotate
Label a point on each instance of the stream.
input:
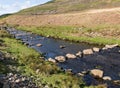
(106, 60)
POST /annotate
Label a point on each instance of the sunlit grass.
(67, 32)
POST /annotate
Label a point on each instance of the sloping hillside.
(65, 6)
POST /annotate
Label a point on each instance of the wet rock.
(70, 56)
(95, 49)
(80, 74)
(87, 51)
(84, 72)
(39, 45)
(79, 54)
(117, 82)
(60, 58)
(107, 78)
(61, 46)
(97, 73)
(52, 60)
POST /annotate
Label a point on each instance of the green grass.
(67, 33)
(4, 16)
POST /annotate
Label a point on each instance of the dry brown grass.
(88, 18)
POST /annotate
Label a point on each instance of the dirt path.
(103, 10)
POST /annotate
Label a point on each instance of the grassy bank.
(28, 61)
(101, 34)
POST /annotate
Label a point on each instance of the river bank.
(77, 65)
(99, 35)
(30, 63)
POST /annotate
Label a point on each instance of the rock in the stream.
(80, 74)
(117, 82)
(60, 58)
(52, 60)
(97, 73)
(107, 78)
(110, 46)
(39, 45)
(95, 49)
(79, 54)
(70, 56)
(61, 46)
(87, 51)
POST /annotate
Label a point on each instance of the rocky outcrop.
(97, 73)
(60, 58)
(70, 56)
(87, 51)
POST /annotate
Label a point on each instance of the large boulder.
(70, 56)
(52, 60)
(60, 58)
(87, 51)
(97, 73)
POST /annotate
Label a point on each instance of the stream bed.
(107, 60)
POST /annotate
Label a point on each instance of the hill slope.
(65, 6)
(101, 26)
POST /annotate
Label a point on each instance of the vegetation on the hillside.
(4, 16)
(63, 6)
